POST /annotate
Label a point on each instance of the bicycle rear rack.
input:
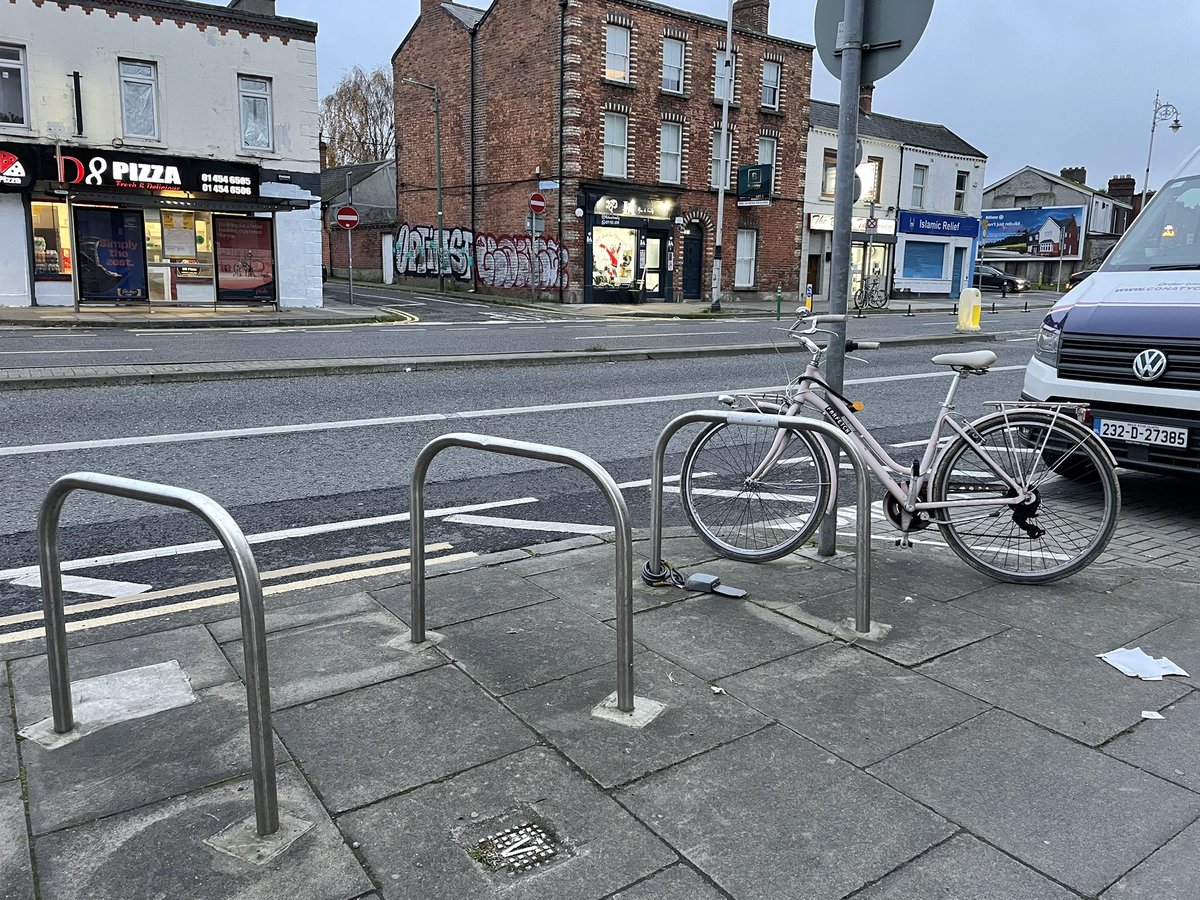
(587, 465)
(655, 568)
(254, 643)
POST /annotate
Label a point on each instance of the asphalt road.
(328, 458)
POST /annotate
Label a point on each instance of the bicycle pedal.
(904, 543)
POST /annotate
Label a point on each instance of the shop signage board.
(110, 254)
(754, 185)
(936, 223)
(824, 222)
(244, 259)
(18, 169)
(634, 207)
(108, 170)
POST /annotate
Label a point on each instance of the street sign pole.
(726, 161)
(843, 211)
(350, 238)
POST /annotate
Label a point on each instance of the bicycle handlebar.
(851, 346)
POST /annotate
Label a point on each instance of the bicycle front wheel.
(879, 299)
(751, 518)
(860, 299)
(1063, 527)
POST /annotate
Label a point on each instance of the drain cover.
(516, 849)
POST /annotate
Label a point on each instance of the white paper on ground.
(1151, 714)
(1138, 664)
(109, 699)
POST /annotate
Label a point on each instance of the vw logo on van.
(1149, 365)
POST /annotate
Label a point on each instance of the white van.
(1127, 340)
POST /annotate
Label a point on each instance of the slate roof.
(333, 181)
(468, 15)
(903, 131)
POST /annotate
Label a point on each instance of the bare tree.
(358, 120)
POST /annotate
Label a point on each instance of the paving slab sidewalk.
(978, 750)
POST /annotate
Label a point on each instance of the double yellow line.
(269, 590)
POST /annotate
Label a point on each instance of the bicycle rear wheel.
(879, 298)
(754, 520)
(860, 299)
(1063, 528)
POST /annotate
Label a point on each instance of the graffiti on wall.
(502, 260)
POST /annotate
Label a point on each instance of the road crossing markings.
(220, 599)
(261, 538)
(76, 584)
(531, 524)
(634, 337)
(308, 427)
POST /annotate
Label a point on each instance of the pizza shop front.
(105, 227)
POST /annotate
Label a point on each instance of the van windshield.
(1166, 236)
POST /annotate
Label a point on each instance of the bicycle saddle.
(976, 359)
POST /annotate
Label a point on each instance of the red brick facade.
(368, 251)
(510, 131)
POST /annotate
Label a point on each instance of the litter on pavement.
(1138, 664)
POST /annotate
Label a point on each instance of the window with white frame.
(13, 102)
(747, 250)
(772, 73)
(616, 133)
(616, 53)
(672, 71)
(254, 95)
(670, 152)
(724, 76)
(767, 149)
(139, 98)
(960, 190)
(829, 173)
(920, 176)
(720, 160)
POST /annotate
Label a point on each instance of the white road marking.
(1020, 340)
(658, 334)
(39, 352)
(220, 599)
(531, 524)
(263, 538)
(77, 584)
(307, 427)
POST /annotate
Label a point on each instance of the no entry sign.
(347, 217)
(537, 204)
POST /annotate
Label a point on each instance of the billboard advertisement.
(1043, 232)
(111, 254)
(245, 259)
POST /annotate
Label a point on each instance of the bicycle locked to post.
(1025, 494)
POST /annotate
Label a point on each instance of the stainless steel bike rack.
(258, 691)
(587, 465)
(654, 568)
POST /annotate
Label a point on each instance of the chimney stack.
(865, 94)
(1122, 187)
(254, 7)
(751, 14)
(1078, 174)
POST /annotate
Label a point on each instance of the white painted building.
(927, 187)
(158, 151)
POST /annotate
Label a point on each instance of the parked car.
(1074, 280)
(989, 277)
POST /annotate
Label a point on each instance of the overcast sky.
(1028, 82)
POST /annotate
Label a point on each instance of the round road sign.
(537, 204)
(347, 217)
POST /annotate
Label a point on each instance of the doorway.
(693, 261)
(654, 283)
(957, 273)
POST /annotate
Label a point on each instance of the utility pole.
(843, 212)
(437, 156)
(725, 161)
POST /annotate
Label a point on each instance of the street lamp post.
(437, 154)
(1162, 112)
(726, 164)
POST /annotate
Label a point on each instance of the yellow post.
(970, 305)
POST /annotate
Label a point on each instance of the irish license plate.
(1141, 432)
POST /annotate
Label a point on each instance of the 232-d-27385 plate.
(1141, 432)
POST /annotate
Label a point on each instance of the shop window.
(670, 138)
(616, 133)
(616, 53)
(771, 76)
(724, 76)
(51, 240)
(672, 72)
(920, 176)
(139, 99)
(720, 159)
(254, 95)
(13, 102)
(767, 151)
(960, 191)
(613, 252)
(829, 173)
(924, 259)
(747, 250)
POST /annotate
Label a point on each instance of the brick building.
(612, 108)
(371, 189)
